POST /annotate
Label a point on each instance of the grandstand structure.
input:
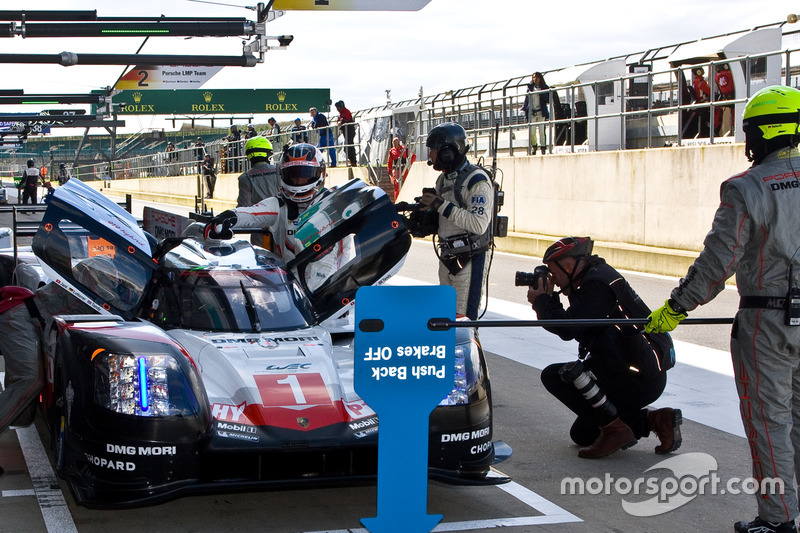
(640, 100)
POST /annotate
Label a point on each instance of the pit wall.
(648, 210)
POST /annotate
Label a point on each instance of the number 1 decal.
(292, 381)
(283, 390)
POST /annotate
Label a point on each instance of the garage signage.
(221, 101)
(403, 370)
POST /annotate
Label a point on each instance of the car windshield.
(228, 299)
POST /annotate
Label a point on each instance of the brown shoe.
(666, 424)
(614, 436)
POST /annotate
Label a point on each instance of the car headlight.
(465, 377)
(142, 385)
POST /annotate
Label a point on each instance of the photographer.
(464, 199)
(621, 369)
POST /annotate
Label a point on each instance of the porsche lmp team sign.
(227, 101)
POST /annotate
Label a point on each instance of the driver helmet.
(302, 172)
(771, 112)
(257, 148)
(450, 142)
(568, 247)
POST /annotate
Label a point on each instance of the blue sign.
(403, 370)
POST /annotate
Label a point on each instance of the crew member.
(261, 181)
(63, 173)
(210, 175)
(30, 182)
(464, 199)
(23, 315)
(755, 235)
(629, 367)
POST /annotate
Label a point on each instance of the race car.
(207, 367)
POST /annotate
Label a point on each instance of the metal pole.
(437, 324)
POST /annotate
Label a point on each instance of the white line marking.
(55, 512)
(551, 513)
(20, 492)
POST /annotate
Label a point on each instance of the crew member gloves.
(220, 226)
(431, 201)
(665, 318)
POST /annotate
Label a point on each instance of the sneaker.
(761, 526)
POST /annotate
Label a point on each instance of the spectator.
(210, 175)
(535, 109)
(348, 127)
(199, 153)
(320, 122)
(274, 133)
(234, 150)
(251, 132)
(298, 137)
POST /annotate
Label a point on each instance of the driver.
(302, 174)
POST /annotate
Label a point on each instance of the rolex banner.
(222, 101)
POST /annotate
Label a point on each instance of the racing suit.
(258, 183)
(755, 235)
(464, 216)
(282, 218)
(20, 340)
(29, 184)
(629, 365)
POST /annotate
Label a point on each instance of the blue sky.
(447, 45)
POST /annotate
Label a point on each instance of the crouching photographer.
(621, 368)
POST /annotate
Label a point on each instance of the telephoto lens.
(583, 381)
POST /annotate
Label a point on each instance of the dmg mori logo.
(137, 97)
(207, 96)
(281, 96)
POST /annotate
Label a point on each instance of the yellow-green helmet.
(256, 147)
(774, 110)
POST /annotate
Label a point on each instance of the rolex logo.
(281, 96)
(137, 97)
(207, 96)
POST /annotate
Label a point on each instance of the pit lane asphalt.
(526, 417)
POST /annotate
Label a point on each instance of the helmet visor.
(300, 175)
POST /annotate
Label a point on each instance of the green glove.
(664, 319)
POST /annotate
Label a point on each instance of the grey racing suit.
(756, 234)
(258, 183)
(20, 343)
(466, 212)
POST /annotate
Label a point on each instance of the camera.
(531, 279)
(419, 223)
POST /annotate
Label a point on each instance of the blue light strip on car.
(143, 400)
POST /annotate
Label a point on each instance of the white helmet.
(302, 172)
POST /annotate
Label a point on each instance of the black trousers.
(629, 392)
